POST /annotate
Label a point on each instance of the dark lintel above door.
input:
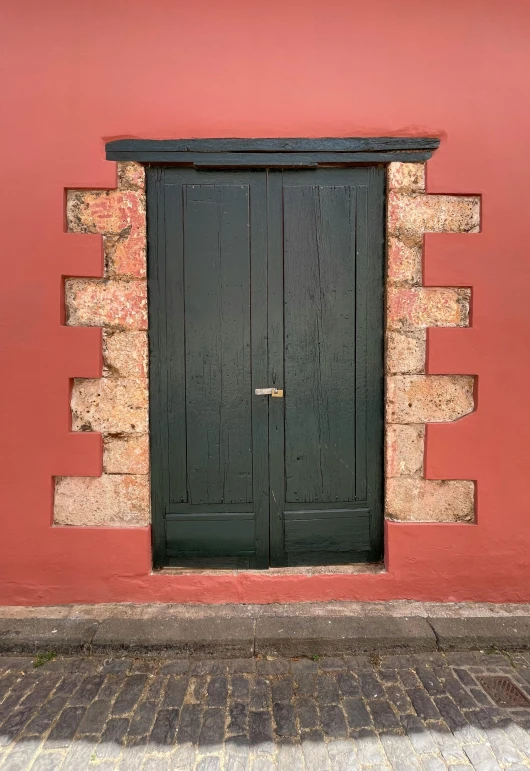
(281, 153)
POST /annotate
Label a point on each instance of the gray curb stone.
(477, 633)
(242, 637)
(310, 636)
(34, 635)
(224, 637)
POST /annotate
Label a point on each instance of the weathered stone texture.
(126, 454)
(125, 354)
(119, 216)
(427, 500)
(404, 262)
(110, 405)
(109, 500)
(117, 404)
(406, 176)
(412, 397)
(428, 398)
(420, 307)
(103, 303)
(410, 216)
(405, 450)
(405, 352)
(131, 176)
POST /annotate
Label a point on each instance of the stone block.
(428, 398)
(106, 501)
(405, 352)
(427, 307)
(410, 216)
(298, 636)
(221, 637)
(100, 303)
(477, 633)
(34, 635)
(125, 354)
(404, 262)
(126, 455)
(110, 405)
(131, 176)
(405, 450)
(410, 499)
(118, 215)
(408, 177)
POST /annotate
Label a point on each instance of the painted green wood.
(211, 437)
(326, 446)
(157, 363)
(136, 149)
(193, 535)
(217, 332)
(260, 355)
(275, 304)
(319, 334)
(375, 236)
(260, 279)
(343, 530)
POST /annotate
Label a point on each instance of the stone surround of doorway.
(116, 405)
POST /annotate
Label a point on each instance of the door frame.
(239, 154)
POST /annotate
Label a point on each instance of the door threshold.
(359, 568)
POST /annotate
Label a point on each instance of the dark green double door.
(266, 279)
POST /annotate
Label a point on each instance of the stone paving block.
(377, 728)
(315, 754)
(50, 761)
(217, 693)
(87, 690)
(213, 727)
(238, 718)
(164, 728)
(175, 691)
(95, 717)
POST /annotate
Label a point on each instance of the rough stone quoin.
(412, 397)
(116, 404)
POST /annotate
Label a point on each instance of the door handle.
(275, 392)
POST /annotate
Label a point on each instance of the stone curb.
(463, 634)
(37, 635)
(334, 636)
(240, 637)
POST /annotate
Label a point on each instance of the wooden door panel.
(214, 433)
(217, 333)
(326, 442)
(319, 334)
(259, 279)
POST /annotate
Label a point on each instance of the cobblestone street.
(425, 711)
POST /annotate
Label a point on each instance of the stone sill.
(315, 570)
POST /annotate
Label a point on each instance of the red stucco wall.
(80, 74)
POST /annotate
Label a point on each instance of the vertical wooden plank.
(363, 269)
(217, 324)
(319, 253)
(275, 304)
(176, 346)
(375, 356)
(260, 368)
(157, 357)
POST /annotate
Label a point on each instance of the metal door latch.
(275, 392)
